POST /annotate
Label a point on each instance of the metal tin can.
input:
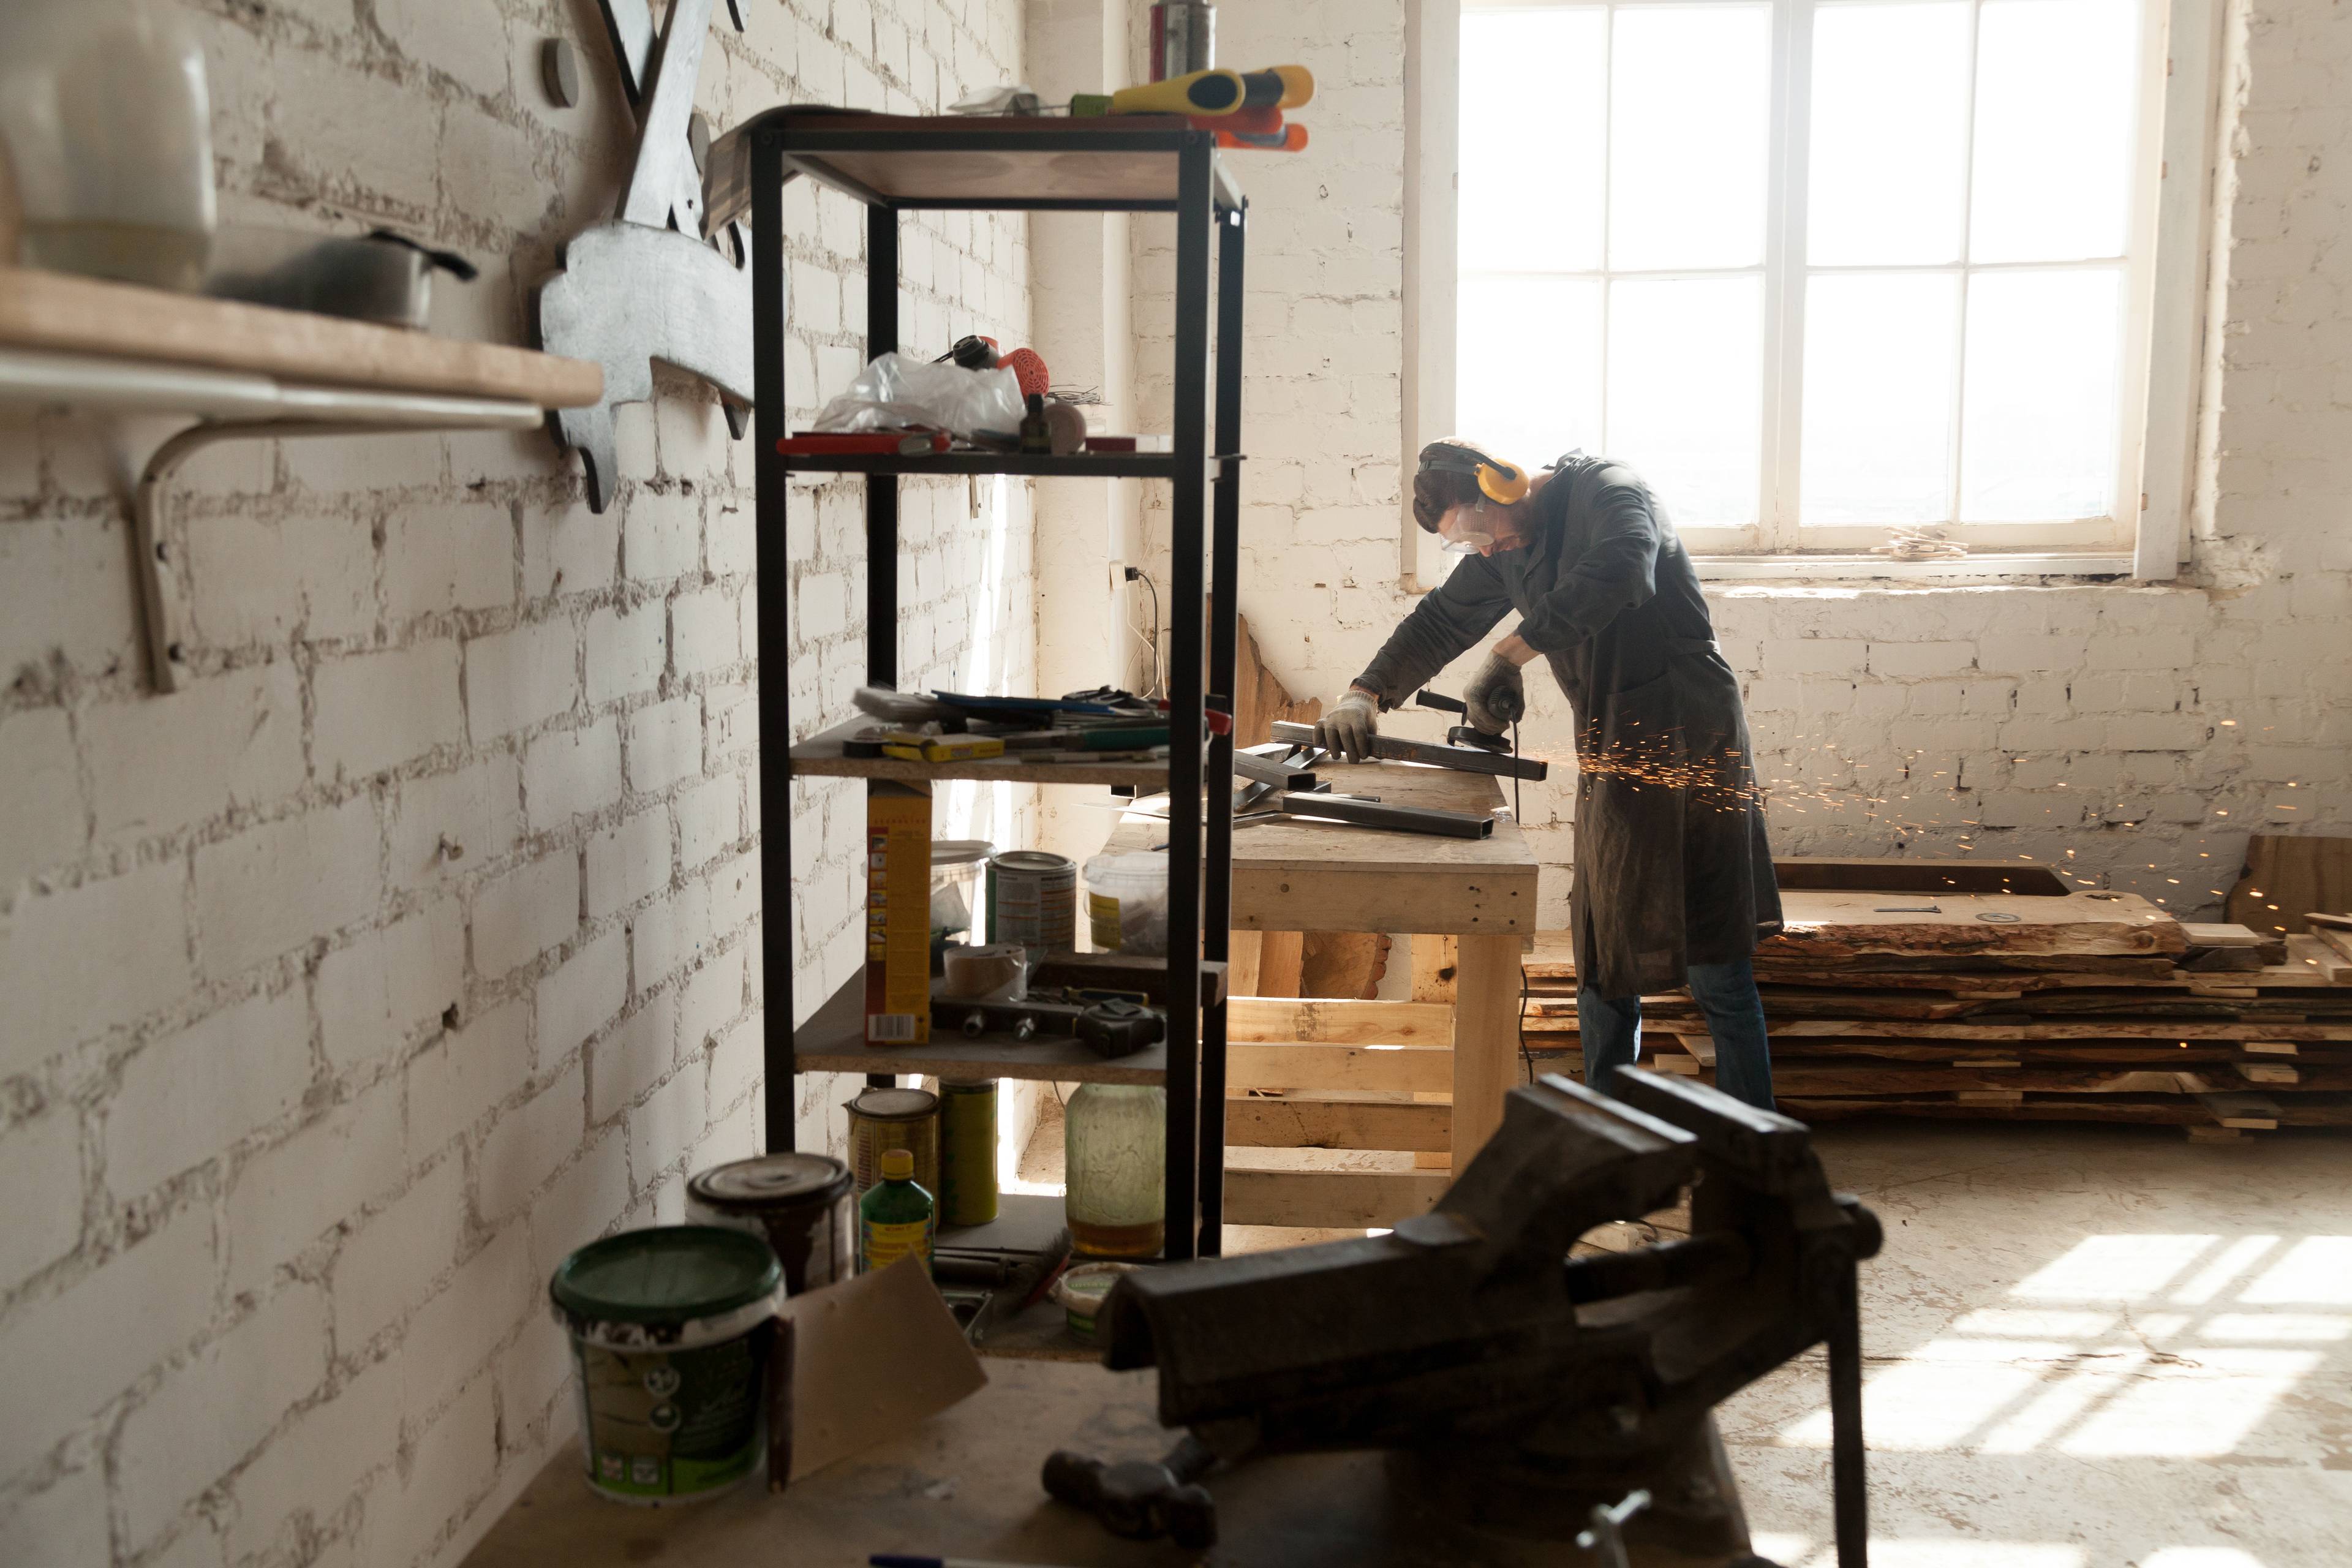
(1033, 898)
(671, 1329)
(799, 1203)
(904, 1119)
(1183, 38)
(967, 1152)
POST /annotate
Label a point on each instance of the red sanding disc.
(1029, 369)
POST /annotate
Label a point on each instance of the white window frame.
(2165, 348)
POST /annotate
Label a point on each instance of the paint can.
(671, 1329)
(1081, 1292)
(798, 1203)
(1183, 38)
(904, 1119)
(967, 1152)
(1032, 900)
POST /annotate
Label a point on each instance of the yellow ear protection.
(1498, 481)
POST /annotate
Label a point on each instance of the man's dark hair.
(1436, 491)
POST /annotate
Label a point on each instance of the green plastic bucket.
(670, 1331)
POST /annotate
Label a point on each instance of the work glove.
(1497, 696)
(1348, 728)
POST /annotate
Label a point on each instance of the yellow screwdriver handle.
(1296, 86)
(1201, 92)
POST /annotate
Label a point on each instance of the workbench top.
(1300, 873)
(965, 1483)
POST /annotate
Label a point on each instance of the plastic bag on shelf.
(899, 392)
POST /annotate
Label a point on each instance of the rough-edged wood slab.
(2169, 1110)
(2146, 1054)
(1349, 963)
(1800, 1080)
(2287, 876)
(2010, 967)
(2318, 957)
(2160, 1030)
(1829, 926)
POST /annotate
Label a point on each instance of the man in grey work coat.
(1674, 878)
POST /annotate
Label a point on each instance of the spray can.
(1183, 38)
(967, 1152)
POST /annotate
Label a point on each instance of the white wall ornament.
(646, 286)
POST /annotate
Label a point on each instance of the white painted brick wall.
(414, 943)
(1875, 723)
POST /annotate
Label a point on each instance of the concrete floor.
(2089, 1347)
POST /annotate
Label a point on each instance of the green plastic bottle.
(895, 1216)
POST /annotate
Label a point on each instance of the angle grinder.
(1464, 734)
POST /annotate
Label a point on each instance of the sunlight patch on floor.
(2180, 1367)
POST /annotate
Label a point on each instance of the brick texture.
(353, 985)
(1868, 701)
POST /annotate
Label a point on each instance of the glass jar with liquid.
(1115, 1152)
(107, 128)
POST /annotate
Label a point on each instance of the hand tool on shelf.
(1396, 749)
(1138, 976)
(1204, 92)
(1110, 1028)
(1512, 1381)
(1024, 1288)
(1290, 139)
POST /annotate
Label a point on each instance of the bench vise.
(1516, 1379)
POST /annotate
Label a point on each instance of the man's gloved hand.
(1497, 696)
(1348, 728)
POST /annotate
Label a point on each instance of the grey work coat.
(1672, 866)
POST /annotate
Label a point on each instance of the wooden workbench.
(1300, 875)
(965, 1483)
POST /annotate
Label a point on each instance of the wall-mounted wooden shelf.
(249, 372)
(60, 313)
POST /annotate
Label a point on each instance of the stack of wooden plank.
(1966, 991)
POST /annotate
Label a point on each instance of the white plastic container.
(956, 865)
(1127, 902)
(107, 129)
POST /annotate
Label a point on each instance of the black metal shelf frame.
(1204, 533)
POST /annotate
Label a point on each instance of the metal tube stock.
(1464, 759)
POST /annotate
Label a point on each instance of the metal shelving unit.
(895, 164)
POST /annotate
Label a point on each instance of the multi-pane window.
(1817, 268)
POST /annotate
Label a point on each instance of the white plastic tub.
(1127, 902)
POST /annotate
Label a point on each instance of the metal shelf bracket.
(232, 406)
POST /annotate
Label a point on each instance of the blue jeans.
(1725, 994)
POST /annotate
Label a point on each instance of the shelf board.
(57, 312)
(1076, 465)
(820, 756)
(832, 1040)
(1024, 1223)
(1107, 163)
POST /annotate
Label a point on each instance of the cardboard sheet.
(873, 1356)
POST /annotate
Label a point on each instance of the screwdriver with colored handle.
(1204, 92)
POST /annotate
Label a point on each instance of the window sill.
(1988, 566)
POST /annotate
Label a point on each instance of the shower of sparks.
(1725, 778)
